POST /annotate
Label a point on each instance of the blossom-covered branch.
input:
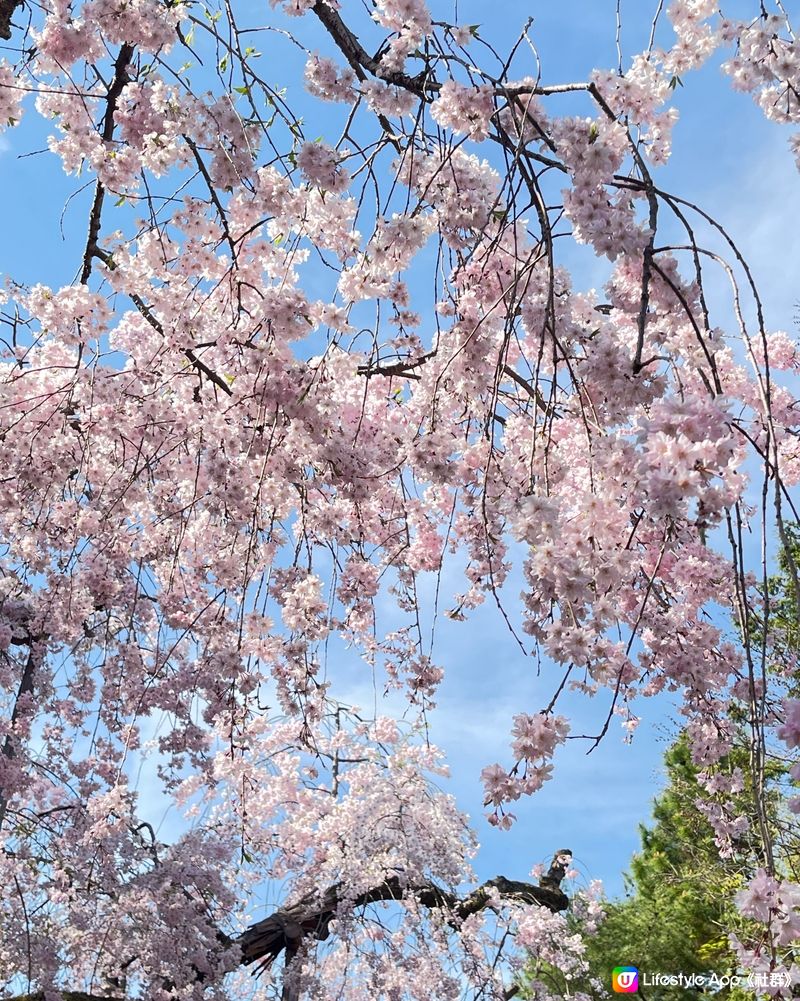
(325, 373)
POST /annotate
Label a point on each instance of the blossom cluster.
(409, 21)
(464, 109)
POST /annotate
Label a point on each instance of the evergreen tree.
(679, 906)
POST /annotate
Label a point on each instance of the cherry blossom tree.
(291, 376)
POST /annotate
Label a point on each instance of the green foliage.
(678, 908)
(784, 613)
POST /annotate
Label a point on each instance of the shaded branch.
(289, 928)
(68, 996)
(7, 8)
(403, 368)
(25, 688)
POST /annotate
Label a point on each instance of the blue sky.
(729, 160)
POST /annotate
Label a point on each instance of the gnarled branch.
(310, 918)
(264, 941)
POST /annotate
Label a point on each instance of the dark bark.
(118, 82)
(263, 942)
(69, 996)
(25, 688)
(7, 8)
(358, 57)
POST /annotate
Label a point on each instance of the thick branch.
(25, 688)
(68, 996)
(264, 941)
(285, 930)
(7, 8)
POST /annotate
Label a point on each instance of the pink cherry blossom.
(304, 399)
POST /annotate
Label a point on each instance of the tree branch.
(25, 688)
(155, 323)
(403, 368)
(264, 941)
(7, 8)
(533, 391)
(118, 82)
(212, 192)
(68, 996)
(358, 57)
(287, 930)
